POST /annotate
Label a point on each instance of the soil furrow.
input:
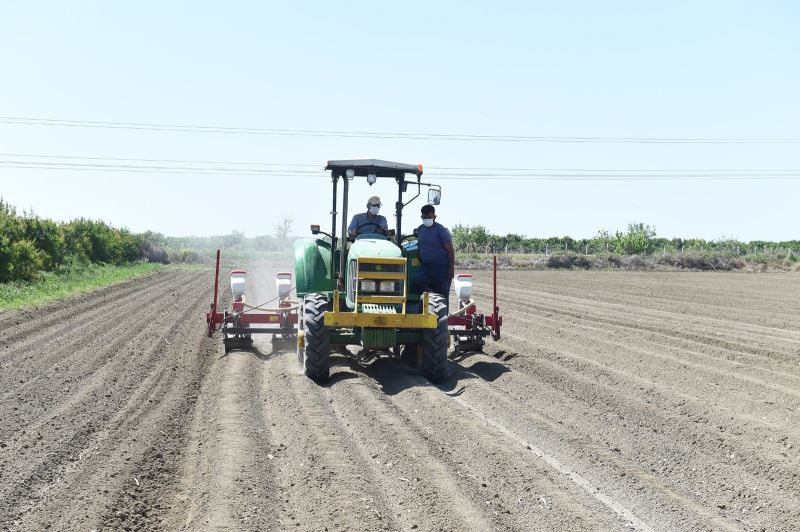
(675, 325)
(651, 400)
(324, 480)
(98, 357)
(55, 319)
(56, 354)
(427, 494)
(517, 490)
(636, 350)
(76, 437)
(652, 444)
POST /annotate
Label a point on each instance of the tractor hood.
(373, 247)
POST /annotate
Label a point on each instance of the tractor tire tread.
(435, 342)
(317, 352)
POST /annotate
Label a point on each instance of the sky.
(632, 69)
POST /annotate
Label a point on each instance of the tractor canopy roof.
(364, 167)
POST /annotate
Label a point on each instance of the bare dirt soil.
(615, 400)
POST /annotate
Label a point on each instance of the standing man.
(370, 221)
(436, 256)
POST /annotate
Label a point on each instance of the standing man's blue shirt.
(431, 241)
(363, 218)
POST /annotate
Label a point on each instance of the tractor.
(359, 291)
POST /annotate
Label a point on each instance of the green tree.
(47, 237)
(636, 241)
(461, 237)
(514, 242)
(234, 239)
(282, 230)
(479, 238)
(601, 243)
(10, 232)
(26, 261)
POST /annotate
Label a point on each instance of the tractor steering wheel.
(379, 226)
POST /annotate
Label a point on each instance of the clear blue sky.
(606, 69)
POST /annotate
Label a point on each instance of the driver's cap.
(374, 200)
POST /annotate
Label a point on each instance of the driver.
(370, 221)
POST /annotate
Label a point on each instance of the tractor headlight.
(386, 286)
(367, 286)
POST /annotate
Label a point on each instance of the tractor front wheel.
(316, 338)
(433, 356)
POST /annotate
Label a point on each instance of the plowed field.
(614, 400)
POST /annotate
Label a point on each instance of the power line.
(155, 170)
(130, 159)
(145, 126)
(668, 170)
(144, 170)
(62, 165)
(510, 171)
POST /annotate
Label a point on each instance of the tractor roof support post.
(342, 254)
(398, 207)
(335, 179)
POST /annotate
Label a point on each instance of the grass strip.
(77, 280)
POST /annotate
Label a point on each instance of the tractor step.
(374, 308)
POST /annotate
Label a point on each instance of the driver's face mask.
(374, 210)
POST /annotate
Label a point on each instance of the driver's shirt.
(363, 218)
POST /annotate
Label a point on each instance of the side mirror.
(434, 196)
(314, 229)
(390, 233)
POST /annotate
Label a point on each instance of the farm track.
(652, 401)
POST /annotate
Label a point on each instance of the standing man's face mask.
(427, 222)
(374, 210)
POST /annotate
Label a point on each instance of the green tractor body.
(359, 291)
(316, 266)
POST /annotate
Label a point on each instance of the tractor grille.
(391, 268)
(380, 280)
(372, 308)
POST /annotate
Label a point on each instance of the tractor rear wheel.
(316, 338)
(433, 358)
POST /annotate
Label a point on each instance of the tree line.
(198, 249)
(637, 239)
(30, 244)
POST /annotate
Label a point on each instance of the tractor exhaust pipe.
(342, 256)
